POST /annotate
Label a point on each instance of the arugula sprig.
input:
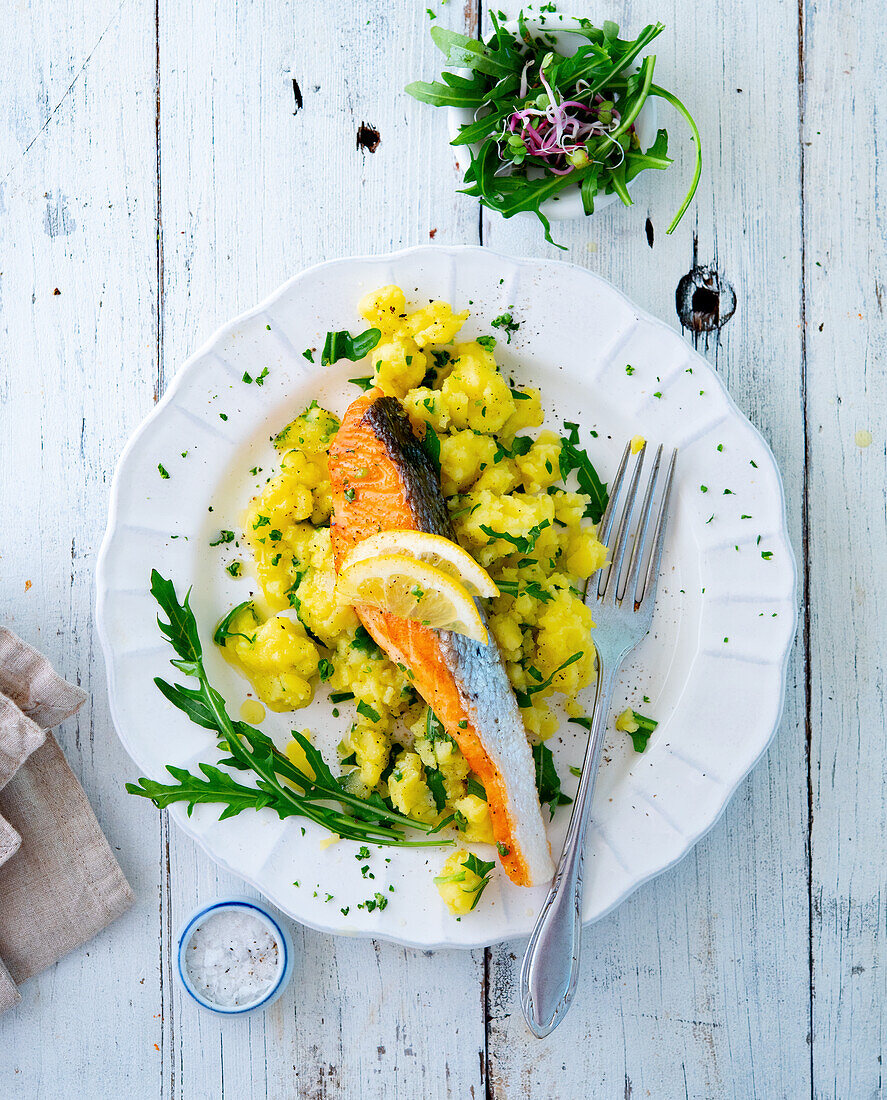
(572, 457)
(280, 785)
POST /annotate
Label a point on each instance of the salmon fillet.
(378, 462)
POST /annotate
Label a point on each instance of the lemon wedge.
(434, 550)
(411, 589)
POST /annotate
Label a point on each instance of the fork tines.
(639, 576)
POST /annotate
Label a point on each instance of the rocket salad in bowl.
(557, 117)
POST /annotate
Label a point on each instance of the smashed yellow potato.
(462, 880)
(276, 656)
(511, 510)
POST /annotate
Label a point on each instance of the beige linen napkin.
(59, 881)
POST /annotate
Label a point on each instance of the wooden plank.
(843, 133)
(78, 347)
(691, 988)
(252, 190)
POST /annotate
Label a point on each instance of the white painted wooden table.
(155, 179)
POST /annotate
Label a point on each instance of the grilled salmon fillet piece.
(383, 479)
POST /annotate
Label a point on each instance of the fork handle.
(551, 964)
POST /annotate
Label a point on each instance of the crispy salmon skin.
(383, 479)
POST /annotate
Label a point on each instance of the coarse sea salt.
(232, 958)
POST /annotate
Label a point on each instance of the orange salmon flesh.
(360, 463)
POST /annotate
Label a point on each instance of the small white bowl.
(284, 955)
(568, 205)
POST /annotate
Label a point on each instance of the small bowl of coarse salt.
(234, 957)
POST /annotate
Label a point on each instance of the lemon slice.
(413, 590)
(435, 550)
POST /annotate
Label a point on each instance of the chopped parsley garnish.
(341, 696)
(161, 469)
(508, 325)
(223, 537)
(435, 780)
(548, 782)
(363, 641)
(325, 668)
(234, 568)
(524, 543)
(364, 383)
(488, 342)
(434, 728)
(431, 446)
(261, 521)
(531, 588)
(475, 787)
(309, 355)
(524, 698)
(645, 726)
(342, 345)
(377, 901)
(519, 395)
(367, 711)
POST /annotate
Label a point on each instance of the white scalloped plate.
(713, 665)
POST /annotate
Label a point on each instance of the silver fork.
(623, 613)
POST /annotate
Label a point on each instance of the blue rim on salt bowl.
(284, 964)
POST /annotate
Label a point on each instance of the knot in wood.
(704, 300)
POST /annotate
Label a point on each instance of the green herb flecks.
(525, 698)
(364, 642)
(507, 324)
(342, 345)
(524, 543)
(548, 782)
(431, 446)
(643, 728)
